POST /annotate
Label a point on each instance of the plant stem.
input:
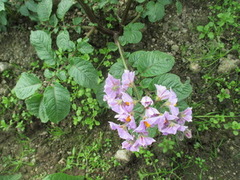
(125, 13)
(93, 19)
(90, 32)
(125, 63)
(121, 52)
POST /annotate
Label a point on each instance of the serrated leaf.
(44, 10)
(42, 43)
(64, 42)
(56, 101)
(132, 33)
(11, 177)
(62, 176)
(183, 90)
(63, 7)
(117, 69)
(152, 63)
(33, 104)
(83, 73)
(27, 85)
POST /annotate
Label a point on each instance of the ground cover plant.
(149, 61)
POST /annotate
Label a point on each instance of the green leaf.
(42, 43)
(210, 35)
(2, 7)
(83, 73)
(117, 69)
(44, 10)
(63, 7)
(64, 42)
(26, 85)
(77, 20)
(56, 101)
(173, 81)
(11, 177)
(53, 21)
(43, 112)
(140, 1)
(152, 63)
(152, 132)
(62, 176)
(33, 104)
(31, 5)
(145, 83)
(84, 47)
(132, 33)
(134, 57)
(165, 2)
(179, 7)
(24, 10)
(100, 94)
(3, 18)
(155, 11)
(112, 46)
(48, 74)
(62, 75)
(182, 105)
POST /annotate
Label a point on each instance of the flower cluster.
(136, 135)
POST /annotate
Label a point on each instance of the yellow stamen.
(127, 103)
(128, 119)
(146, 124)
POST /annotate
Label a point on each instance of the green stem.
(125, 63)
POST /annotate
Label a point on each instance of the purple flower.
(170, 128)
(186, 115)
(162, 92)
(112, 87)
(188, 133)
(130, 145)
(172, 99)
(124, 103)
(146, 101)
(144, 124)
(127, 79)
(127, 118)
(144, 140)
(122, 131)
(127, 102)
(151, 112)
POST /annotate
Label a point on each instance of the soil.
(47, 154)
